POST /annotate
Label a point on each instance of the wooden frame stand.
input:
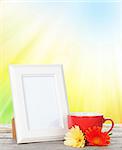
(13, 129)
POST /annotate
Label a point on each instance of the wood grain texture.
(7, 143)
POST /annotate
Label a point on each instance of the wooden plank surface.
(7, 143)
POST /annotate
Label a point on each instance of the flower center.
(97, 140)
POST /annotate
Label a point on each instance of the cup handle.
(111, 122)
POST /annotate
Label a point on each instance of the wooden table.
(7, 143)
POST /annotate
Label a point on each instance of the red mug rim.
(85, 114)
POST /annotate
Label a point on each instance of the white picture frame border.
(24, 134)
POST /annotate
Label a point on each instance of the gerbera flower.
(95, 136)
(74, 137)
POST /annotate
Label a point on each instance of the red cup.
(86, 120)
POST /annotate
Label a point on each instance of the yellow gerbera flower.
(75, 137)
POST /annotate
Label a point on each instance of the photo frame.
(39, 102)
